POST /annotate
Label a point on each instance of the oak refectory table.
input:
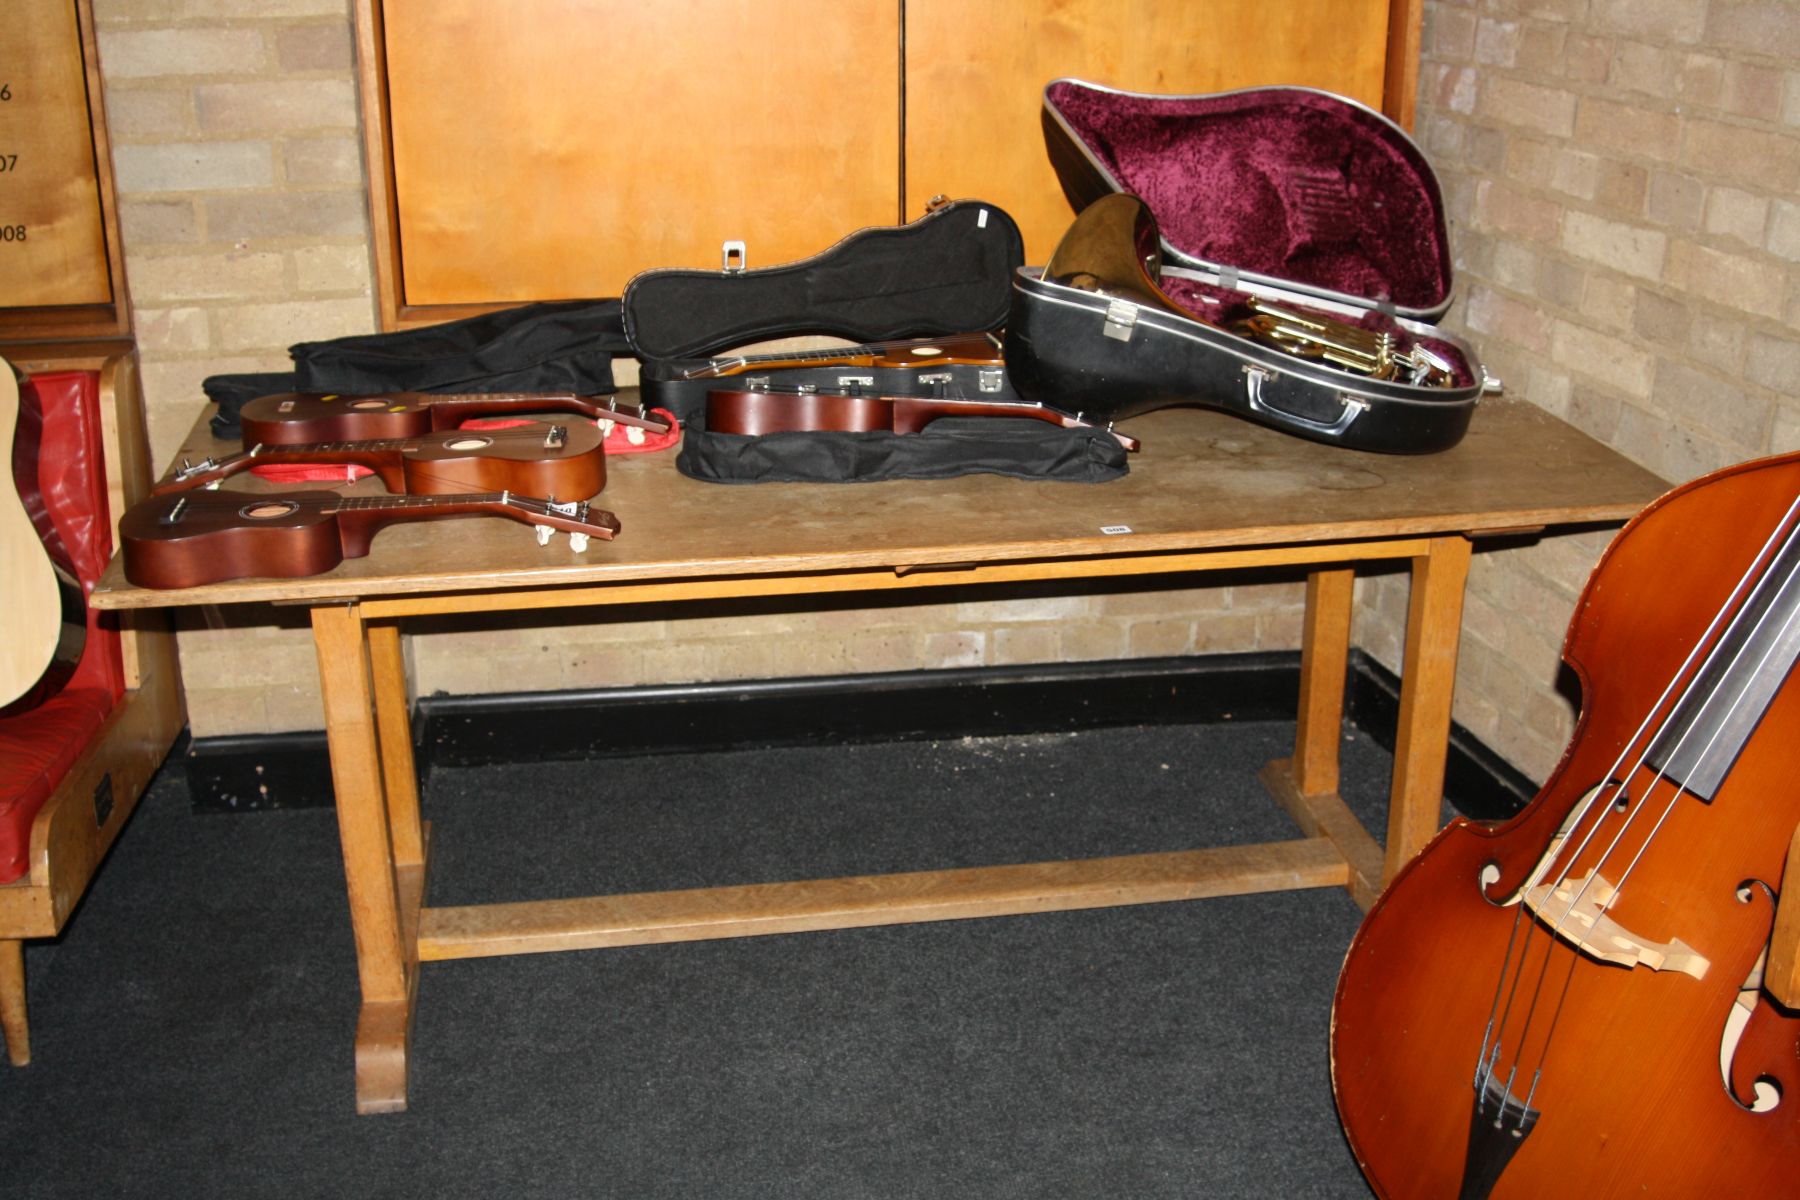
(1208, 492)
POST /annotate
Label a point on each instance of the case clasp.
(732, 258)
(1121, 316)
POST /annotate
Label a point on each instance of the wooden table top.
(1203, 480)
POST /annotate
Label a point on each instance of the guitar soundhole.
(469, 443)
(268, 510)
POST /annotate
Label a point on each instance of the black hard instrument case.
(1279, 253)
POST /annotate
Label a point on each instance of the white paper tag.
(1115, 529)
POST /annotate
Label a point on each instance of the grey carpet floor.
(192, 1028)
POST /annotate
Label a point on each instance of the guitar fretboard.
(407, 502)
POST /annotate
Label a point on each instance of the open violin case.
(919, 300)
(1280, 253)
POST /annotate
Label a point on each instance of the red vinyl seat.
(38, 747)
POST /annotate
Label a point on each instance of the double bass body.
(1494, 1036)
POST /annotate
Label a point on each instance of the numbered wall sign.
(52, 230)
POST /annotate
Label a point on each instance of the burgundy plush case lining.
(1289, 183)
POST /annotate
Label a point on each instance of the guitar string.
(1712, 640)
(1600, 798)
(1756, 572)
(1677, 794)
(1761, 568)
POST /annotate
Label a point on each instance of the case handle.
(1254, 378)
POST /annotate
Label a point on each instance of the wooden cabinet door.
(546, 149)
(976, 70)
(53, 249)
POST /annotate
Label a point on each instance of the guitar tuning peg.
(634, 435)
(543, 534)
(606, 426)
(578, 542)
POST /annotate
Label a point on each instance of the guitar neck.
(766, 411)
(914, 353)
(359, 517)
(846, 356)
(381, 455)
(451, 409)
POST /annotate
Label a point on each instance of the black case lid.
(948, 272)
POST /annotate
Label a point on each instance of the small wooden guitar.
(975, 349)
(535, 459)
(199, 537)
(289, 417)
(46, 610)
(773, 411)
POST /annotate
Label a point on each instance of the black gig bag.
(562, 346)
(1280, 253)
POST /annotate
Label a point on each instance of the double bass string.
(1736, 605)
(1679, 791)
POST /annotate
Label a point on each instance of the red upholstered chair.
(72, 767)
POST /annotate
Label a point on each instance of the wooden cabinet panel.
(552, 148)
(52, 230)
(976, 70)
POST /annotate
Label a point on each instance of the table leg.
(386, 964)
(1307, 784)
(1324, 661)
(400, 775)
(1427, 687)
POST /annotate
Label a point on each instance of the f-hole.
(1767, 1089)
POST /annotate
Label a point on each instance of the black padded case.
(1285, 198)
(948, 272)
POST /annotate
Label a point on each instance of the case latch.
(1121, 315)
(990, 379)
(732, 258)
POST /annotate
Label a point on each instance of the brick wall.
(241, 191)
(1621, 179)
(241, 200)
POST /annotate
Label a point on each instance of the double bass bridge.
(1576, 910)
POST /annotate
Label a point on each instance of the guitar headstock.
(547, 515)
(207, 473)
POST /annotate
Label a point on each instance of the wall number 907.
(12, 233)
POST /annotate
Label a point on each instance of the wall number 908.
(12, 233)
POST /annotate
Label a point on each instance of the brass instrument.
(1377, 355)
(1113, 249)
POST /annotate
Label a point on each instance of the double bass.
(1571, 1003)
